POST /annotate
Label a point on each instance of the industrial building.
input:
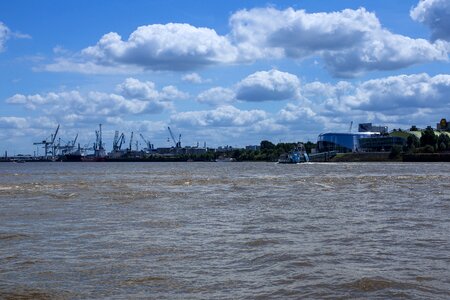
(342, 142)
(380, 143)
(368, 127)
(350, 141)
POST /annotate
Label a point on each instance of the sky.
(221, 72)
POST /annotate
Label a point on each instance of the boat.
(18, 161)
(295, 156)
(76, 155)
(224, 159)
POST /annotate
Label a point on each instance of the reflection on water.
(224, 231)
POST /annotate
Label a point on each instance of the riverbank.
(340, 157)
(427, 157)
(363, 157)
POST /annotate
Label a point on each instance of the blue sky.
(220, 72)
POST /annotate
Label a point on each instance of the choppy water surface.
(224, 231)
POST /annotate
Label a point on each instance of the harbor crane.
(177, 144)
(99, 150)
(68, 147)
(131, 141)
(149, 145)
(119, 140)
(49, 143)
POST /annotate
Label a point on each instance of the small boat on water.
(18, 161)
(295, 156)
(224, 159)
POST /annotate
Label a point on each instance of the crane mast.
(131, 140)
(99, 150)
(49, 144)
(118, 141)
(149, 145)
(177, 144)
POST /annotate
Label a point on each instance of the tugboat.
(295, 156)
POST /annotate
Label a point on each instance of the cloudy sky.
(221, 72)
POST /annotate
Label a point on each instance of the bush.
(426, 149)
(443, 142)
(395, 152)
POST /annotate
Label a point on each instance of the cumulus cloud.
(403, 93)
(133, 88)
(383, 51)
(13, 122)
(351, 42)
(222, 116)
(402, 100)
(132, 97)
(193, 78)
(217, 96)
(268, 85)
(162, 47)
(436, 15)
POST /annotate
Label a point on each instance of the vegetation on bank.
(429, 142)
(267, 151)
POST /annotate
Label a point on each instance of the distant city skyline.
(221, 72)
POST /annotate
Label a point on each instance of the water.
(224, 231)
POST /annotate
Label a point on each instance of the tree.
(412, 142)
(428, 138)
(267, 145)
(395, 152)
(443, 142)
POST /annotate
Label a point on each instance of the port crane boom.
(118, 141)
(49, 143)
(149, 145)
(177, 144)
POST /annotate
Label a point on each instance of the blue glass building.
(342, 142)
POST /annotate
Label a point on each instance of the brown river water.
(224, 231)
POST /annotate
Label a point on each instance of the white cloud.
(436, 15)
(222, 116)
(193, 78)
(135, 89)
(170, 92)
(13, 123)
(268, 85)
(383, 51)
(351, 42)
(217, 96)
(4, 35)
(162, 47)
(400, 100)
(83, 66)
(267, 31)
(134, 97)
(402, 94)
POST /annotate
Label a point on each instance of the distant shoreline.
(341, 157)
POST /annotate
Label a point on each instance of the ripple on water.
(395, 288)
(261, 242)
(12, 236)
(29, 293)
(235, 231)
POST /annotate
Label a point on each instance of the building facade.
(342, 142)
